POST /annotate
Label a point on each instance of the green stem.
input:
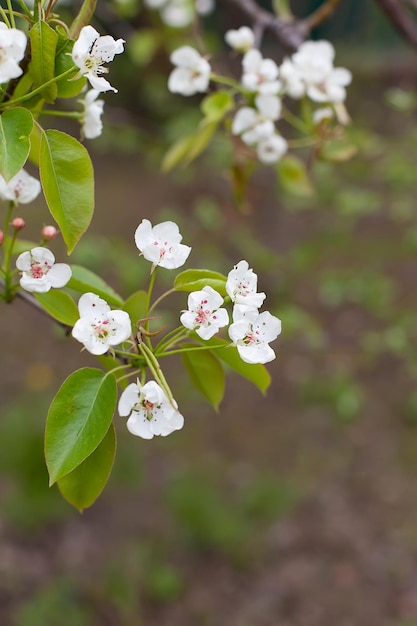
(134, 373)
(225, 80)
(30, 95)
(158, 300)
(302, 143)
(8, 244)
(25, 9)
(11, 14)
(193, 349)
(170, 339)
(4, 17)
(155, 368)
(71, 114)
(294, 120)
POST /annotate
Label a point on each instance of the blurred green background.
(297, 509)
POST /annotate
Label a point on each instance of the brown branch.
(401, 19)
(322, 14)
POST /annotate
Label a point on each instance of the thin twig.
(401, 19)
(321, 14)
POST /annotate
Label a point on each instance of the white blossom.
(40, 272)
(256, 125)
(204, 314)
(91, 51)
(177, 13)
(191, 74)
(92, 125)
(204, 7)
(271, 149)
(259, 74)
(12, 50)
(150, 411)
(99, 327)
(310, 72)
(241, 286)
(242, 39)
(21, 189)
(161, 244)
(251, 333)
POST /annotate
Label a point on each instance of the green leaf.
(43, 42)
(67, 87)
(195, 280)
(78, 419)
(15, 128)
(59, 305)
(189, 148)
(83, 18)
(216, 105)
(68, 183)
(35, 139)
(206, 374)
(84, 484)
(293, 176)
(83, 280)
(337, 151)
(256, 374)
(135, 306)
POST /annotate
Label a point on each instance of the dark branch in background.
(400, 19)
(321, 14)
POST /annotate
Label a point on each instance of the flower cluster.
(180, 13)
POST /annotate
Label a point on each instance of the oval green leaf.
(83, 280)
(135, 306)
(256, 373)
(78, 419)
(84, 484)
(206, 374)
(68, 183)
(216, 105)
(59, 305)
(195, 280)
(43, 42)
(15, 128)
(67, 87)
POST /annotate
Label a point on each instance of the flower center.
(103, 329)
(38, 269)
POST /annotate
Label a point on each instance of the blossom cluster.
(149, 407)
(180, 13)
(308, 73)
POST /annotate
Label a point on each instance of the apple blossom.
(18, 223)
(12, 50)
(242, 39)
(192, 72)
(271, 149)
(22, 188)
(161, 244)
(241, 286)
(251, 333)
(204, 314)
(150, 411)
(259, 74)
(49, 232)
(310, 71)
(91, 51)
(92, 125)
(255, 125)
(99, 327)
(40, 272)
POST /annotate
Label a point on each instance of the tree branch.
(322, 14)
(401, 19)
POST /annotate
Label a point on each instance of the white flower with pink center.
(251, 333)
(92, 125)
(91, 51)
(259, 74)
(12, 50)
(242, 39)
(204, 314)
(150, 411)
(161, 244)
(40, 272)
(22, 188)
(241, 286)
(99, 327)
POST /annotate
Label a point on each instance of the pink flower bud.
(18, 223)
(1, 237)
(49, 232)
